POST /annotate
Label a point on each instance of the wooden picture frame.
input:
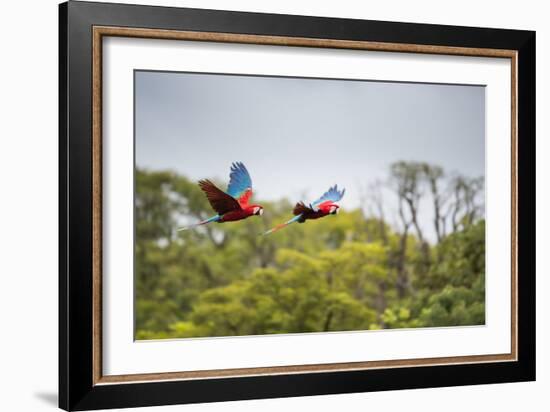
(83, 26)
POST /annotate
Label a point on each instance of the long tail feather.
(204, 222)
(282, 225)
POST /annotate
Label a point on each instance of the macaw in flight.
(231, 205)
(324, 206)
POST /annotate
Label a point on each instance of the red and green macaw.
(234, 204)
(324, 206)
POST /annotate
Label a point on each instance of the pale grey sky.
(299, 136)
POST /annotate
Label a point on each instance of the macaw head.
(257, 210)
(329, 208)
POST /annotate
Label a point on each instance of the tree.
(354, 271)
(434, 175)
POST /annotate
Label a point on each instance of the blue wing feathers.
(239, 180)
(332, 194)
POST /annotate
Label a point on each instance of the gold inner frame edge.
(101, 31)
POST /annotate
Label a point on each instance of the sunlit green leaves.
(336, 273)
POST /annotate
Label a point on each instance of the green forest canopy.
(352, 271)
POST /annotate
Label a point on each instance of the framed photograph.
(256, 205)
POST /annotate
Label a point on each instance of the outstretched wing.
(301, 208)
(220, 201)
(240, 184)
(332, 195)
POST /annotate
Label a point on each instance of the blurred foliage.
(344, 272)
